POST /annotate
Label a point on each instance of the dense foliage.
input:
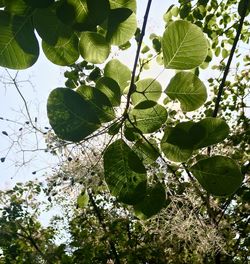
(156, 175)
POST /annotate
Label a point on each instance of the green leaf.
(188, 89)
(148, 152)
(51, 28)
(121, 26)
(19, 48)
(16, 7)
(131, 4)
(93, 47)
(39, 3)
(83, 14)
(111, 89)
(100, 103)
(213, 130)
(82, 200)
(184, 46)
(124, 173)
(174, 152)
(243, 4)
(148, 116)
(71, 117)
(218, 175)
(181, 136)
(119, 72)
(147, 89)
(153, 202)
(64, 52)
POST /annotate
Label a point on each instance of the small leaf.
(93, 47)
(153, 202)
(71, 117)
(124, 173)
(188, 89)
(83, 199)
(147, 89)
(148, 116)
(184, 46)
(3, 159)
(219, 175)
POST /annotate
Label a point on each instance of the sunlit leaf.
(147, 89)
(64, 52)
(148, 116)
(131, 4)
(184, 46)
(153, 202)
(119, 72)
(121, 26)
(19, 47)
(93, 47)
(71, 117)
(82, 200)
(99, 102)
(219, 175)
(188, 89)
(124, 173)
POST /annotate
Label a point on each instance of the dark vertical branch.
(132, 82)
(222, 84)
(102, 223)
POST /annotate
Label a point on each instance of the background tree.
(175, 160)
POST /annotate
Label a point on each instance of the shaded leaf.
(174, 152)
(153, 202)
(71, 117)
(111, 89)
(131, 4)
(219, 175)
(99, 102)
(124, 173)
(39, 3)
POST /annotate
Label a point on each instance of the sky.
(35, 85)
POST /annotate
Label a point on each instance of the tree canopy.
(156, 172)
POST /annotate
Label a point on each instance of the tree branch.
(222, 84)
(132, 82)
